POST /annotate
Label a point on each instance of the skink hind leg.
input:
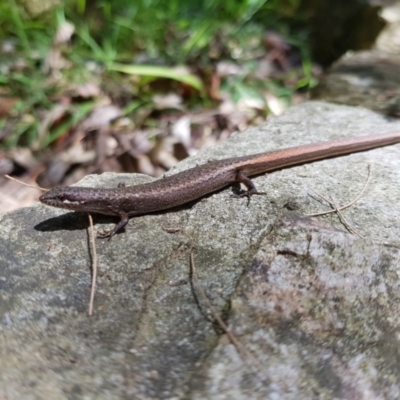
(121, 224)
(251, 188)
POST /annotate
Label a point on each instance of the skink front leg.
(121, 224)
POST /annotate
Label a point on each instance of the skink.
(196, 182)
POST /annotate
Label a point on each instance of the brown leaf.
(6, 105)
(85, 91)
(100, 116)
(170, 100)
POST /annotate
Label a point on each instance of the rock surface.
(316, 307)
(368, 78)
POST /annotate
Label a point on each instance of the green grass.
(145, 39)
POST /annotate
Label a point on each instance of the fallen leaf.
(64, 33)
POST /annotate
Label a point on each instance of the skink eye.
(61, 197)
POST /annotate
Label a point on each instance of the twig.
(346, 205)
(337, 209)
(241, 349)
(350, 228)
(94, 265)
(26, 184)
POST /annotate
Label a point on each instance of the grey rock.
(316, 306)
(368, 78)
(336, 28)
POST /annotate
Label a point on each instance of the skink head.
(69, 197)
(79, 199)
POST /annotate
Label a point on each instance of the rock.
(317, 307)
(36, 8)
(336, 28)
(368, 78)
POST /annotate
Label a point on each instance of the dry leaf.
(100, 116)
(64, 33)
(180, 130)
(6, 105)
(85, 91)
(171, 100)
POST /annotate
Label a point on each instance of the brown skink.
(196, 182)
